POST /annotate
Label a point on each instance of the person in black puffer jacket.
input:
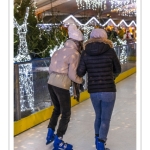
(100, 62)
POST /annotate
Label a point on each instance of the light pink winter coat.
(64, 63)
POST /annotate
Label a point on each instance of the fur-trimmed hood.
(97, 46)
(105, 41)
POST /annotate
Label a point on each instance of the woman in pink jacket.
(62, 70)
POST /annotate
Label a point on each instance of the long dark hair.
(79, 44)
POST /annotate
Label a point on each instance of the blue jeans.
(103, 103)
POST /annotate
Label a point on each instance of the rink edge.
(43, 115)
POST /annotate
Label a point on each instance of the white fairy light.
(121, 41)
(26, 87)
(123, 55)
(110, 20)
(46, 26)
(93, 19)
(56, 48)
(23, 54)
(122, 48)
(91, 4)
(124, 7)
(87, 29)
(132, 22)
(72, 17)
(25, 70)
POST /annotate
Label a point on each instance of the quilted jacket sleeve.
(81, 70)
(73, 64)
(116, 64)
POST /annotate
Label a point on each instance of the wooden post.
(17, 110)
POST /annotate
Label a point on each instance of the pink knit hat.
(98, 33)
(75, 33)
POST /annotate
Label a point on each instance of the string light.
(47, 27)
(132, 24)
(26, 87)
(56, 48)
(122, 47)
(94, 19)
(91, 4)
(110, 20)
(25, 70)
(123, 55)
(87, 29)
(23, 48)
(72, 17)
(124, 7)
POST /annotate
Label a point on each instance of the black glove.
(83, 82)
(115, 75)
(81, 87)
(76, 92)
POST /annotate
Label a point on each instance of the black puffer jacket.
(101, 63)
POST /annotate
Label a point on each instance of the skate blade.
(60, 149)
(49, 142)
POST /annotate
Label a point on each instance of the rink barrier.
(45, 114)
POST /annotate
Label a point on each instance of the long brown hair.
(79, 44)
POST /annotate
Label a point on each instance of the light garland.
(94, 19)
(120, 3)
(23, 48)
(132, 22)
(47, 27)
(124, 7)
(72, 17)
(91, 4)
(87, 30)
(56, 48)
(123, 55)
(26, 87)
(25, 70)
(110, 20)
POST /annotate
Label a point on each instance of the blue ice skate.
(50, 136)
(96, 141)
(59, 144)
(101, 146)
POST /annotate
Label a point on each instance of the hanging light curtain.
(124, 7)
(91, 4)
(120, 3)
